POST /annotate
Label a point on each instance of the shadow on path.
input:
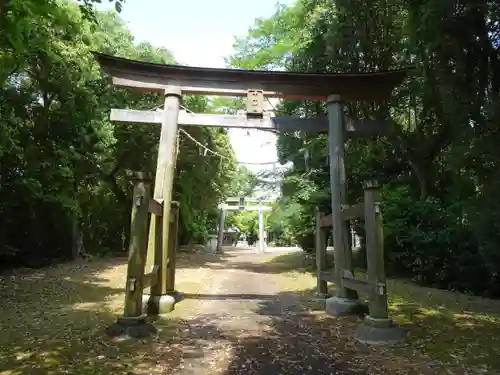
(272, 332)
(296, 343)
(225, 297)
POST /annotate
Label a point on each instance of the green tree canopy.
(438, 164)
(64, 167)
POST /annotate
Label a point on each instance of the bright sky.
(201, 33)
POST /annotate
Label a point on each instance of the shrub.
(305, 239)
(425, 242)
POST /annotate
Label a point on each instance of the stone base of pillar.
(379, 332)
(155, 305)
(134, 327)
(338, 306)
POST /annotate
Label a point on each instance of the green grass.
(447, 327)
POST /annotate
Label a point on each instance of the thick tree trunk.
(421, 173)
(125, 204)
(77, 248)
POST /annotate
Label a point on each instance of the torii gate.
(175, 81)
(239, 204)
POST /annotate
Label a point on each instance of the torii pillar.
(345, 300)
(161, 298)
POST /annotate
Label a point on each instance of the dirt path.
(243, 324)
(243, 313)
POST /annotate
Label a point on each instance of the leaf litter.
(53, 322)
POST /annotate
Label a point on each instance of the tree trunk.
(125, 204)
(422, 178)
(77, 248)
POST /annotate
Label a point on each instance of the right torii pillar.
(345, 300)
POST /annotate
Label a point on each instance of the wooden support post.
(345, 300)
(375, 251)
(133, 321)
(322, 286)
(150, 278)
(137, 247)
(155, 252)
(159, 301)
(173, 246)
(377, 328)
(348, 264)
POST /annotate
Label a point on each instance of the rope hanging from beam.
(206, 149)
(223, 156)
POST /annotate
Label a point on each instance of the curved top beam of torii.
(371, 86)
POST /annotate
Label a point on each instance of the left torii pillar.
(161, 298)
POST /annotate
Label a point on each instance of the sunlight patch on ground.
(446, 327)
(53, 321)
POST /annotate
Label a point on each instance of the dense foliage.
(65, 170)
(440, 163)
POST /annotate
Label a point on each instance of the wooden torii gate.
(175, 80)
(239, 204)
